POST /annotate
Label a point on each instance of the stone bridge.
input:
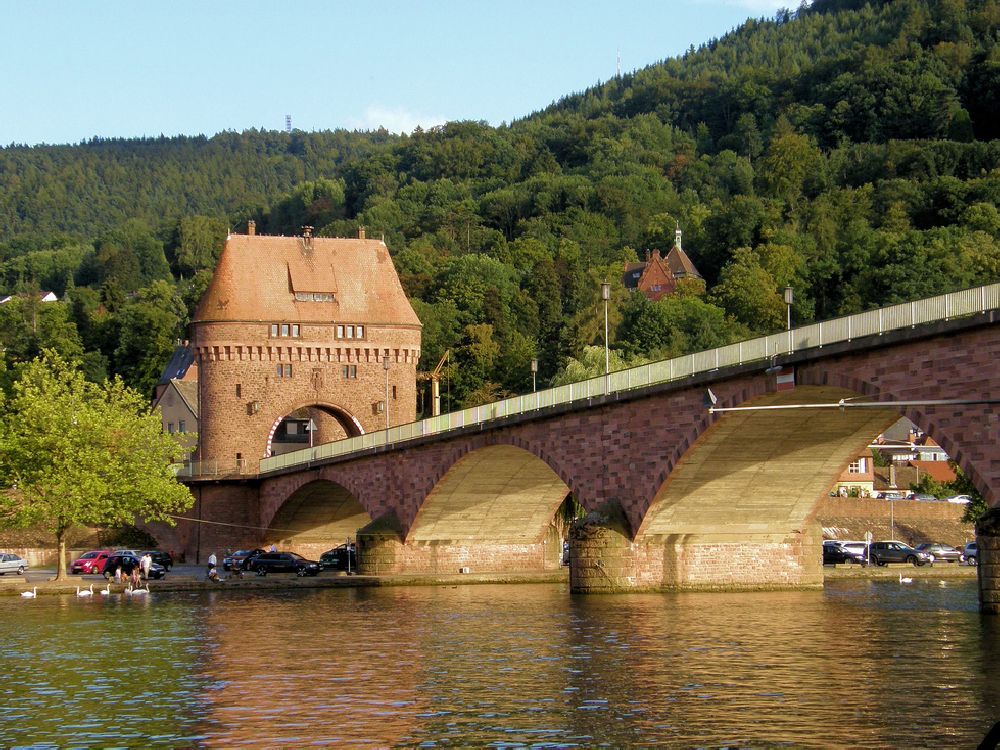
(675, 495)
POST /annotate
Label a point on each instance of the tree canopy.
(76, 452)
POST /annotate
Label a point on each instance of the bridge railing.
(873, 322)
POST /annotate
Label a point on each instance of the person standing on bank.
(211, 564)
(145, 562)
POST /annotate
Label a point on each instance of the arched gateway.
(304, 326)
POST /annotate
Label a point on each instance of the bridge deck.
(895, 317)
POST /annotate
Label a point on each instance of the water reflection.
(864, 664)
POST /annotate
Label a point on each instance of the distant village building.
(657, 276)
(42, 297)
(909, 454)
(300, 340)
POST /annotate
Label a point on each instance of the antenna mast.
(618, 65)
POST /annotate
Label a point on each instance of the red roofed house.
(313, 331)
(658, 276)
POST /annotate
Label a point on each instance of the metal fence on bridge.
(883, 320)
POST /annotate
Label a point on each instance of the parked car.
(971, 553)
(159, 557)
(343, 557)
(240, 559)
(960, 499)
(283, 562)
(924, 497)
(90, 562)
(861, 548)
(127, 563)
(941, 552)
(835, 553)
(892, 495)
(883, 553)
(11, 563)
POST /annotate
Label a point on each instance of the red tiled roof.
(939, 471)
(258, 276)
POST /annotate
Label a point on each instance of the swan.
(904, 580)
(30, 594)
(106, 591)
(85, 592)
(137, 591)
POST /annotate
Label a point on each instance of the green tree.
(749, 293)
(74, 452)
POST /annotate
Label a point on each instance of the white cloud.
(395, 120)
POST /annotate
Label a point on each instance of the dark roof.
(178, 365)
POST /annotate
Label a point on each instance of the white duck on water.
(30, 594)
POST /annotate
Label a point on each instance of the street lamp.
(606, 295)
(788, 302)
(534, 374)
(385, 366)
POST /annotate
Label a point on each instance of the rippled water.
(861, 664)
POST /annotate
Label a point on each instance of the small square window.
(170, 427)
(295, 329)
(288, 371)
(354, 372)
(340, 332)
(278, 371)
(274, 329)
(239, 390)
(394, 393)
(350, 332)
(361, 332)
(284, 329)
(181, 427)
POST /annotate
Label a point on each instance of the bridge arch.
(501, 493)
(760, 473)
(318, 514)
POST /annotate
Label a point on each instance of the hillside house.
(657, 277)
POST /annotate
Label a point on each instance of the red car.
(92, 562)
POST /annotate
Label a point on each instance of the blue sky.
(72, 70)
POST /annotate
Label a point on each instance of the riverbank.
(192, 578)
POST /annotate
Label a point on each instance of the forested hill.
(847, 150)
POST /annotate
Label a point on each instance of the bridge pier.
(382, 551)
(603, 558)
(988, 539)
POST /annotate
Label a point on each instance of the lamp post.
(385, 366)
(606, 295)
(534, 374)
(789, 297)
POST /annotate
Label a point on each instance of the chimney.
(677, 238)
(251, 227)
(361, 232)
(307, 232)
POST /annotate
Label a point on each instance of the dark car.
(883, 553)
(971, 553)
(160, 558)
(942, 552)
(240, 559)
(283, 562)
(835, 553)
(343, 557)
(128, 563)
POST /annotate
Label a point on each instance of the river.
(860, 664)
